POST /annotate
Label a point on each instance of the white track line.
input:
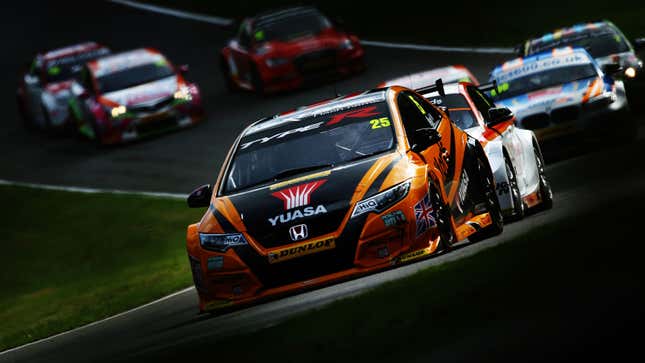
(92, 190)
(225, 21)
(98, 321)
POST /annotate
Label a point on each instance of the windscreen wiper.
(295, 171)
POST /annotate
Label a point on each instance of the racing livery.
(132, 94)
(559, 92)
(281, 50)
(606, 43)
(44, 90)
(448, 74)
(513, 153)
(337, 189)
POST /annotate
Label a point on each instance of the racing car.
(133, 94)
(448, 74)
(606, 43)
(513, 153)
(559, 92)
(391, 179)
(282, 50)
(44, 90)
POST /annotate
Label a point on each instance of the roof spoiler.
(436, 87)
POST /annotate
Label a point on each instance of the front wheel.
(546, 194)
(444, 224)
(490, 199)
(226, 73)
(519, 207)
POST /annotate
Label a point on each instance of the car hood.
(320, 200)
(144, 93)
(544, 100)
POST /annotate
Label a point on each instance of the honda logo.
(299, 195)
(299, 232)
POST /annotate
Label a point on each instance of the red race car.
(282, 50)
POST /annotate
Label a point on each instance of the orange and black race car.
(338, 189)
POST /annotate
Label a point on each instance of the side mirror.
(183, 69)
(639, 44)
(498, 115)
(611, 68)
(200, 197)
(424, 138)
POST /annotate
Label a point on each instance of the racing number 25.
(377, 123)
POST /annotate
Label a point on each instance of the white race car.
(514, 153)
(45, 88)
(448, 74)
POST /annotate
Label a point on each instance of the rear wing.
(436, 87)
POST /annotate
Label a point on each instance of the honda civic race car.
(513, 153)
(44, 90)
(132, 94)
(606, 43)
(448, 74)
(281, 50)
(561, 91)
(334, 190)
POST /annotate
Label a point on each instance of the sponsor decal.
(280, 135)
(424, 214)
(462, 192)
(215, 262)
(413, 255)
(299, 195)
(530, 67)
(362, 113)
(296, 214)
(299, 232)
(300, 250)
(395, 218)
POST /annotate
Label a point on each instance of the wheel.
(46, 118)
(490, 199)
(546, 194)
(226, 72)
(447, 237)
(519, 208)
(256, 81)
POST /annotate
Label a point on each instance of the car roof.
(577, 29)
(70, 50)
(448, 74)
(552, 53)
(320, 108)
(125, 60)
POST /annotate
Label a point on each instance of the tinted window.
(597, 44)
(416, 113)
(311, 143)
(460, 112)
(134, 76)
(545, 79)
(290, 26)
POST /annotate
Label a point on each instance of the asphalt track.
(179, 161)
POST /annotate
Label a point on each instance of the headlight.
(118, 111)
(275, 62)
(383, 200)
(346, 45)
(183, 94)
(630, 72)
(221, 242)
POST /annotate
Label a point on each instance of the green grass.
(571, 289)
(468, 22)
(70, 258)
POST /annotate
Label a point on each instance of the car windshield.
(544, 79)
(310, 143)
(460, 111)
(598, 45)
(290, 27)
(130, 77)
(69, 67)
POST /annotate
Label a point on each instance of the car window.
(244, 36)
(460, 111)
(416, 113)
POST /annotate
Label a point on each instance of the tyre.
(46, 119)
(444, 224)
(489, 195)
(256, 81)
(519, 208)
(226, 73)
(546, 193)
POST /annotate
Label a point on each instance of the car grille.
(565, 114)
(316, 62)
(157, 125)
(537, 121)
(151, 107)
